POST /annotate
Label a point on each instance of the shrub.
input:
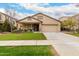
(17, 31)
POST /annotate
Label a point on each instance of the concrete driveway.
(64, 44)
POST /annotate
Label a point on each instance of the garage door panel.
(48, 28)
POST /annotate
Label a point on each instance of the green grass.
(22, 36)
(26, 51)
(75, 34)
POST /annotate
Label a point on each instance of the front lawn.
(27, 51)
(22, 36)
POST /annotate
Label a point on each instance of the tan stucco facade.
(42, 22)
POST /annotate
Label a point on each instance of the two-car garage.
(50, 28)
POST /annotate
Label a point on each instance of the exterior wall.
(40, 27)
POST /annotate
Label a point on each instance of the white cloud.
(17, 16)
(2, 10)
(54, 11)
(22, 15)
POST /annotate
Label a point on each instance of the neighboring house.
(74, 17)
(77, 20)
(39, 22)
(4, 17)
(64, 18)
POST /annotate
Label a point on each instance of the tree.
(1, 27)
(69, 23)
(6, 26)
(12, 13)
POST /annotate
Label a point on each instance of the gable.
(29, 20)
(45, 19)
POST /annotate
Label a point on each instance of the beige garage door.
(50, 28)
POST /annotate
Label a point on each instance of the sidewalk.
(24, 42)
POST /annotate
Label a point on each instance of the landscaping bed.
(40, 50)
(22, 36)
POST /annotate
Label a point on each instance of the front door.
(35, 27)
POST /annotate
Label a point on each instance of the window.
(40, 17)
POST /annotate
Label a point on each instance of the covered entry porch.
(34, 27)
(30, 24)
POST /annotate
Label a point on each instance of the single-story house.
(39, 22)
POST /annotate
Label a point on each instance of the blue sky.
(21, 9)
(55, 10)
(53, 4)
(16, 7)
